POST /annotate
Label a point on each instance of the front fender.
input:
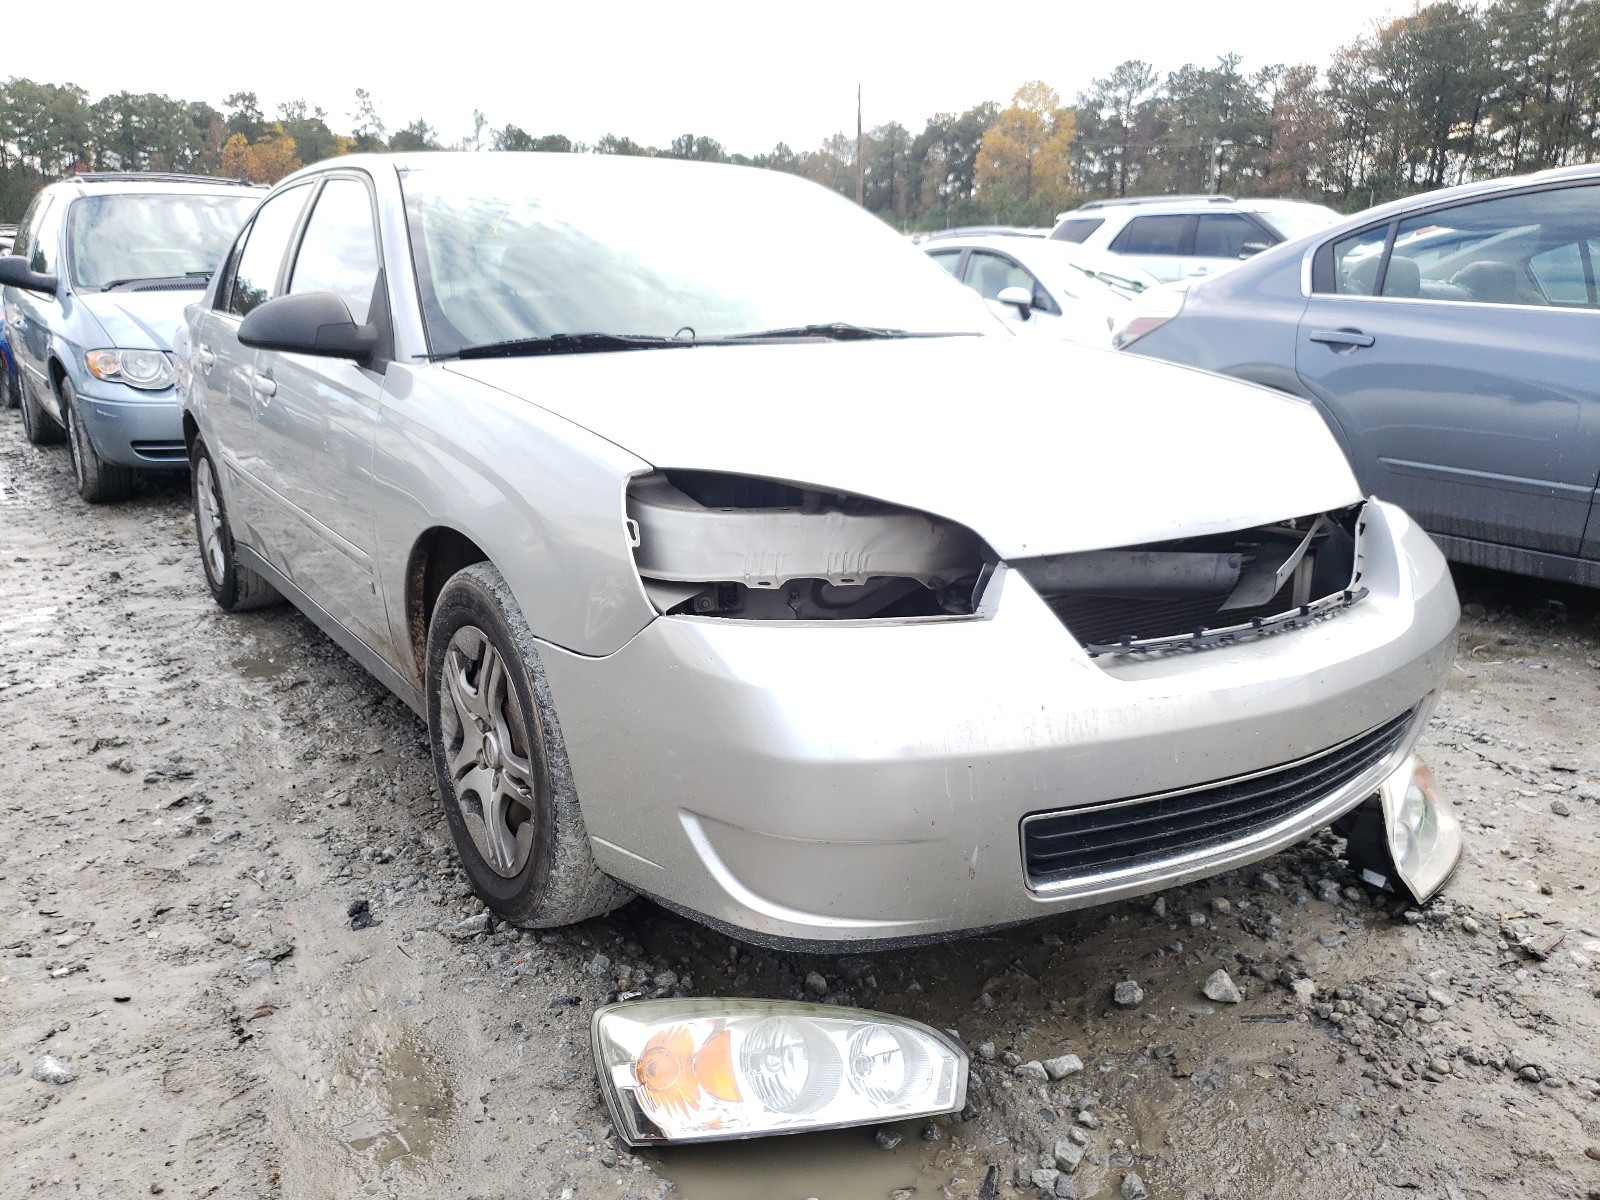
(542, 497)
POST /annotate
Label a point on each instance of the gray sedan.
(774, 579)
(1452, 342)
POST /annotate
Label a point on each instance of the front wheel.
(502, 765)
(235, 588)
(98, 481)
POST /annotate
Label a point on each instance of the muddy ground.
(192, 805)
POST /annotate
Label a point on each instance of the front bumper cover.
(838, 783)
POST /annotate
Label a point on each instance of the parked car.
(1452, 343)
(1182, 237)
(768, 577)
(1041, 287)
(1026, 231)
(104, 265)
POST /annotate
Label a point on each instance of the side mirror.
(1250, 249)
(310, 323)
(1019, 298)
(15, 272)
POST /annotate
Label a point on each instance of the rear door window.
(1156, 235)
(1224, 235)
(950, 260)
(255, 279)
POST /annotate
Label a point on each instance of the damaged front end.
(1193, 593)
(714, 545)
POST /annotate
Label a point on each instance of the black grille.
(172, 450)
(1105, 620)
(1128, 833)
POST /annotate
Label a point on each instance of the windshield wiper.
(568, 343)
(200, 278)
(834, 331)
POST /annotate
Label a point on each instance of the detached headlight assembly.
(715, 545)
(709, 1070)
(150, 370)
(1424, 835)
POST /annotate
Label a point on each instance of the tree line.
(1452, 92)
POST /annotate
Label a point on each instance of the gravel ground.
(237, 957)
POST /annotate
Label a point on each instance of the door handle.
(205, 356)
(266, 387)
(1342, 337)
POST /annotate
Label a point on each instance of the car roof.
(153, 183)
(1161, 205)
(1481, 189)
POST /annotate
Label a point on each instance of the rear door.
(316, 420)
(1466, 383)
(224, 371)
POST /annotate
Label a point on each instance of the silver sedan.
(771, 578)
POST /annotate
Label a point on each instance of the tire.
(493, 729)
(234, 588)
(38, 426)
(98, 481)
(13, 390)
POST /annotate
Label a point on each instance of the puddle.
(259, 668)
(844, 1164)
(407, 1107)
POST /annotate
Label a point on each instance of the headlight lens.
(710, 1070)
(1424, 835)
(147, 369)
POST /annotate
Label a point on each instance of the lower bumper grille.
(1127, 833)
(165, 451)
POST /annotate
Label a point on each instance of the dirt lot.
(194, 805)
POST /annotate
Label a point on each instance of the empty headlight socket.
(710, 544)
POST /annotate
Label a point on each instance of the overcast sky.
(747, 74)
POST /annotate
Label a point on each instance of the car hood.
(1039, 447)
(140, 320)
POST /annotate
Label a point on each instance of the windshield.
(510, 248)
(1297, 222)
(117, 238)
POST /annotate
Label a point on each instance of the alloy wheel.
(208, 508)
(492, 773)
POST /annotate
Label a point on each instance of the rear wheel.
(502, 765)
(99, 482)
(235, 588)
(38, 426)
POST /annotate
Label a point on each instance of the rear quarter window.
(1076, 229)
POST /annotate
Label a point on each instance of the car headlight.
(718, 545)
(147, 369)
(1424, 835)
(707, 1070)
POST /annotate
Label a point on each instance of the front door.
(316, 421)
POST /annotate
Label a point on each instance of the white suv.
(1175, 237)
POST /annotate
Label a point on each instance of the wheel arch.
(437, 554)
